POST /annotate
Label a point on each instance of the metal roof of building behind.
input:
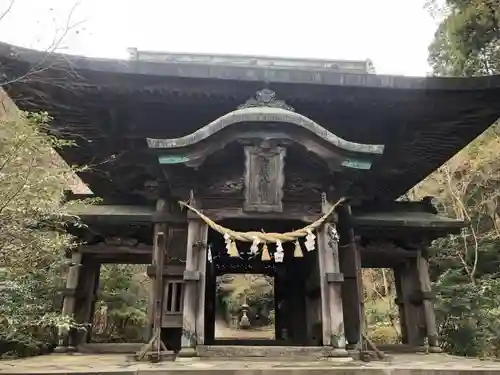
(341, 66)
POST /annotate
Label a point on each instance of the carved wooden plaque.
(264, 179)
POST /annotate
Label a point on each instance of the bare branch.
(7, 10)
(41, 65)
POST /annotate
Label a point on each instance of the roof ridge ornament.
(266, 98)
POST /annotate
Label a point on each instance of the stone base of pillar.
(354, 346)
(61, 349)
(435, 349)
(65, 349)
(338, 353)
(187, 353)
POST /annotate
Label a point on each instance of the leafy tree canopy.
(467, 41)
(32, 231)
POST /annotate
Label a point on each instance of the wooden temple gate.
(265, 168)
(207, 130)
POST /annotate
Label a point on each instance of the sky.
(394, 34)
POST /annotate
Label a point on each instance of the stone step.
(290, 352)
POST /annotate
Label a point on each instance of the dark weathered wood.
(102, 248)
(124, 214)
(172, 305)
(407, 283)
(167, 270)
(399, 301)
(405, 219)
(316, 90)
(428, 305)
(197, 154)
(88, 285)
(155, 347)
(331, 293)
(384, 254)
(68, 308)
(352, 288)
(264, 178)
(309, 213)
(159, 248)
(188, 339)
(197, 232)
(210, 304)
(202, 283)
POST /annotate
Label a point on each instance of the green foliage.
(468, 314)
(32, 234)
(255, 290)
(467, 42)
(121, 312)
(384, 335)
(381, 313)
(465, 266)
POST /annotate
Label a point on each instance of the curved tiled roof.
(111, 106)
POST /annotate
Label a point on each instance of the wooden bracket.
(419, 296)
(162, 217)
(151, 270)
(431, 296)
(334, 278)
(67, 292)
(191, 275)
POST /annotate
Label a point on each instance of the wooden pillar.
(330, 283)
(399, 302)
(95, 296)
(298, 330)
(201, 256)
(87, 289)
(68, 309)
(155, 348)
(281, 306)
(352, 288)
(150, 308)
(158, 261)
(427, 301)
(407, 280)
(210, 302)
(193, 319)
(313, 299)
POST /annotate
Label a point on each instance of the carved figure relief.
(232, 185)
(302, 185)
(264, 178)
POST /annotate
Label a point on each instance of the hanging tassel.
(233, 250)
(209, 254)
(279, 255)
(310, 243)
(227, 240)
(335, 234)
(297, 252)
(265, 253)
(254, 249)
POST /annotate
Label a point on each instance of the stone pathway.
(224, 332)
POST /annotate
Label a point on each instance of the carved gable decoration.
(265, 98)
(264, 179)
